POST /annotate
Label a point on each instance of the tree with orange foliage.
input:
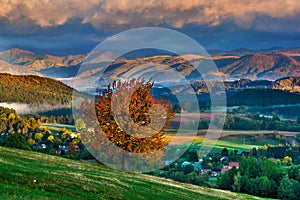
(130, 118)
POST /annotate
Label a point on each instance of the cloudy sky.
(76, 26)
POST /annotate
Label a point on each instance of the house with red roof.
(230, 165)
(233, 164)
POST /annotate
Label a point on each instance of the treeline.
(278, 152)
(185, 174)
(190, 106)
(262, 178)
(262, 172)
(26, 133)
(15, 126)
(34, 90)
(56, 116)
(10, 122)
(253, 122)
(263, 97)
(61, 119)
(257, 122)
(16, 130)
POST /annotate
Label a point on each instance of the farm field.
(230, 139)
(219, 144)
(57, 127)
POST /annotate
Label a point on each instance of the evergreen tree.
(15, 140)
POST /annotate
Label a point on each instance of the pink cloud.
(176, 13)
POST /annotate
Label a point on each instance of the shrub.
(289, 189)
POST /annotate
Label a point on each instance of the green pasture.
(31, 175)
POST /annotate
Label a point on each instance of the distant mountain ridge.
(285, 88)
(263, 66)
(15, 69)
(35, 64)
(39, 61)
(270, 64)
(291, 84)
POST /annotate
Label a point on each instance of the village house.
(230, 165)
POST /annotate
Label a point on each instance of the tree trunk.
(124, 162)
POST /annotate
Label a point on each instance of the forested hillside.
(33, 90)
(263, 97)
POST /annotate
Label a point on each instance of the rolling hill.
(15, 69)
(288, 83)
(34, 61)
(263, 97)
(38, 90)
(269, 64)
(30, 175)
(34, 90)
(46, 65)
(263, 66)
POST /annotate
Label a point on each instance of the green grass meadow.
(31, 175)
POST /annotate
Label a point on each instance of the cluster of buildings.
(212, 172)
(225, 164)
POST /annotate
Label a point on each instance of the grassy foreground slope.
(59, 178)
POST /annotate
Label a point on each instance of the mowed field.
(230, 139)
(216, 144)
(186, 118)
(31, 175)
(57, 127)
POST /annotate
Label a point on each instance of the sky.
(76, 26)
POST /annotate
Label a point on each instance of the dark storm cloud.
(77, 26)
